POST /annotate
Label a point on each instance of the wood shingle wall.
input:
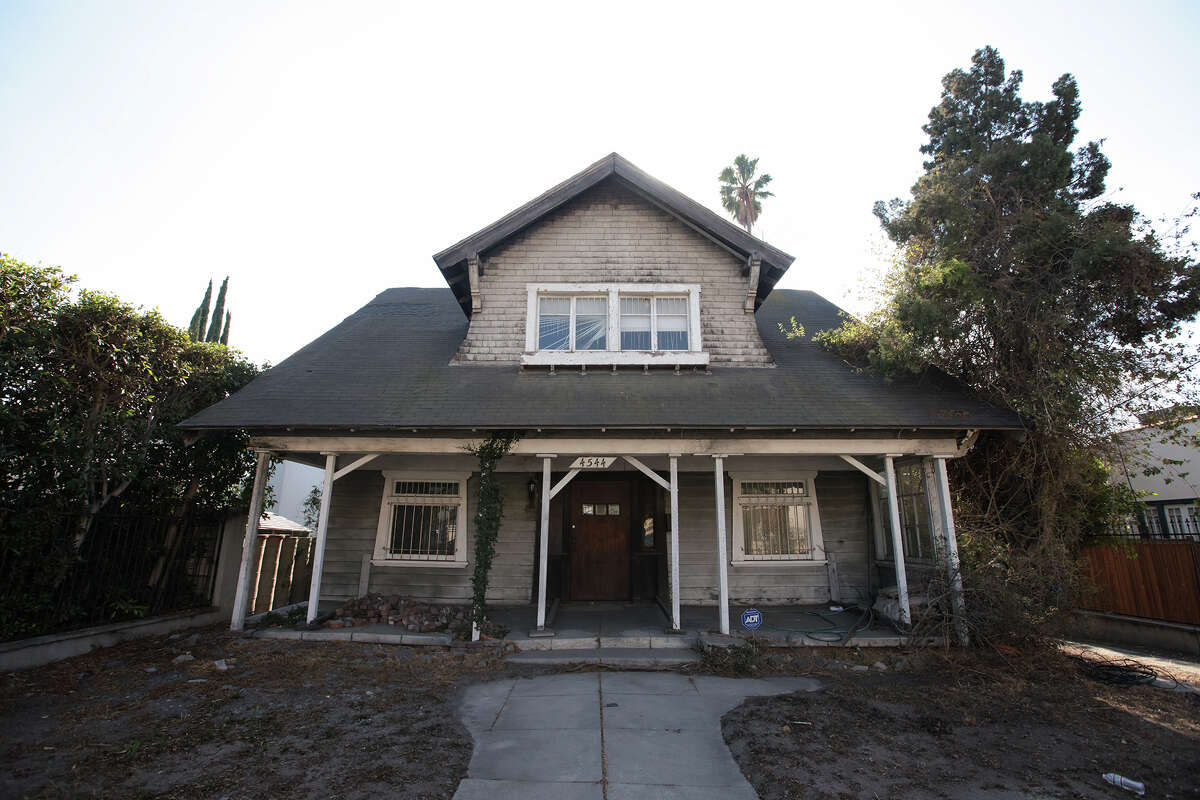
(845, 521)
(611, 235)
(353, 521)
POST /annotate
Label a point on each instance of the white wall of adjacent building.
(292, 482)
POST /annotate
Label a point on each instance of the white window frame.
(883, 536)
(693, 356)
(381, 557)
(809, 500)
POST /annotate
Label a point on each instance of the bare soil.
(951, 725)
(286, 719)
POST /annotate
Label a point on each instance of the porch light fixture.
(531, 490)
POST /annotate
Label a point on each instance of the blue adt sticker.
(751, 619)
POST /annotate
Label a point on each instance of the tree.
(200, 318)
(215, 332)
(312, 507)
(1019, 278)
(91, 394)
(742, 193)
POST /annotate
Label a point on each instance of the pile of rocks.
(402, 612)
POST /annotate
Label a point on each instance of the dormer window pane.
(635, 323)
(672, 318)
(591, 323)
(554, 323)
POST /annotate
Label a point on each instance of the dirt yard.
(965, 725)
(285, 719)
(331, 720)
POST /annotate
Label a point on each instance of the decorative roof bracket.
(474, 267)
(754, 263)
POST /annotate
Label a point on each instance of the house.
(676, 449)
(1164, 448)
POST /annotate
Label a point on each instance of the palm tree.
(741, 193)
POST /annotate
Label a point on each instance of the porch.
(593, 626)
(684, 541)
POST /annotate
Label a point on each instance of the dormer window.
(618, 324)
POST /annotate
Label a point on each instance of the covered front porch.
(679, 535)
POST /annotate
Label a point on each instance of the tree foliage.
(1017, 275)
(217, 332)
(91, 393)
(742, 191)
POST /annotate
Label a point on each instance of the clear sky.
(320, 153)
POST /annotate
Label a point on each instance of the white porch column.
(544, 543)
(242, 597)
(674, 546)
(314, 591)
(897, 541)
(722, 550)
(957, 604)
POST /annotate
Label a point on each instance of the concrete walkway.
(611, 735)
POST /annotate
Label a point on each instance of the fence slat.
(1149, 578)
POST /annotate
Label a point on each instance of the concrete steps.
(623, 657)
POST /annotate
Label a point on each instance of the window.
(572, 323)
(916, 529)
(613, 324)
(1182, 521)
(775, 519)
(422, 521)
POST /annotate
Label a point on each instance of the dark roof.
(453, 260)
(387, 366)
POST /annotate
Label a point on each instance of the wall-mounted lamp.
(531, 489)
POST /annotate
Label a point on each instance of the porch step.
(626, 657)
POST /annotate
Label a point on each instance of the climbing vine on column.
(488, 515)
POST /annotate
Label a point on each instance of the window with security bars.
(774, 521)
(425, 487)
(422, 519)
(424, 531)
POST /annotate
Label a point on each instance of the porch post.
(544, 543)
(314, 590)
(242, 597)
(722, 550)
(957, 604)
(674, 550)
(897, 541)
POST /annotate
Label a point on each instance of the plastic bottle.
(1125, 783)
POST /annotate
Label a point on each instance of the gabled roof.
(453, 260)
(388, 367)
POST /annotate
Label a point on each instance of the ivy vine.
(488, 515)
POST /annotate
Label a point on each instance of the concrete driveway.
(611, 735)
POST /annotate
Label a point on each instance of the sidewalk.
(615, 735)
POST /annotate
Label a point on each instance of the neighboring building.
(292, 482)
(1172, 491)
(676, 447)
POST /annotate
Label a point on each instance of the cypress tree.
(200, 318)
(214, 330)
(225, 333)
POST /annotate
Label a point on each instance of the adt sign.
(751, 619)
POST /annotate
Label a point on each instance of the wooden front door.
(600, 516)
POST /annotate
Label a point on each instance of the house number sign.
(593, 462)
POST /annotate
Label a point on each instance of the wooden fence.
(282, 571)
(1149, 578)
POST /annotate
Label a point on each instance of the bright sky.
(320, 153)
